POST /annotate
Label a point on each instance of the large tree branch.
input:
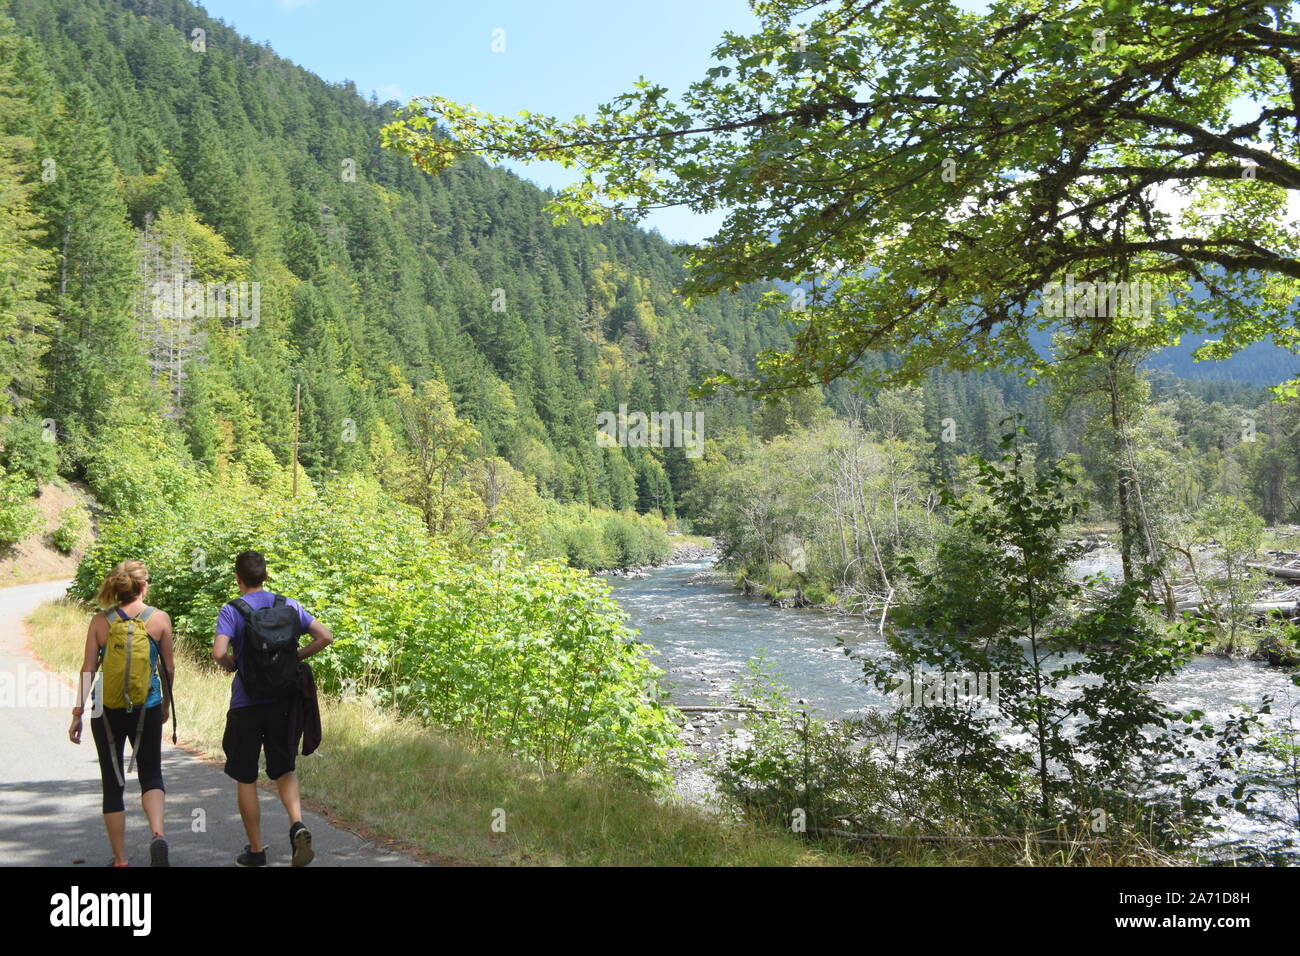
(1215, 143)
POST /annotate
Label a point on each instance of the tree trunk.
(1122, 481)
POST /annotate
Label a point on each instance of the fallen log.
(1265, 607)
(1260, 608)
(1281, 571)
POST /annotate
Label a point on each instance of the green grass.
(441, 795)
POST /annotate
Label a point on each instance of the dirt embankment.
(35, 558)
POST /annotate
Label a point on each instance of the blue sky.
(561, 56)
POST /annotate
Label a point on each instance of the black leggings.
(148, 756)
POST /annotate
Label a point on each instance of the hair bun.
(124, 583)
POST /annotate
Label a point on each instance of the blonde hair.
(124, 583)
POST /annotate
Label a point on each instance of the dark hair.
(250, 567)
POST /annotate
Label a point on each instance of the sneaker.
(249, 858)
(300, 843)
(158, 852)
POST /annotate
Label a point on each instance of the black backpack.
(268, 661)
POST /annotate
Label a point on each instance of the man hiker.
(257, 638)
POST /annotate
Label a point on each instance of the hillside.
(1260, 363)
(234, 165)
(36, 557)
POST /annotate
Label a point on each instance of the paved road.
(50, 790)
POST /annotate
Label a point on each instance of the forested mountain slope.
(234, 165)
(146, 156)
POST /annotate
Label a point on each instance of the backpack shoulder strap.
(143, 618)
(108, 622)
(279, 601)
(243, 607)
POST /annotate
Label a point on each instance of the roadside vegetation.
(440, 792)
(531, 656)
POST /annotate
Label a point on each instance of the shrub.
(260, 464)
(603, 540)
(1280, 645)
(818, 593)
(631, 540)
(583, 546)
(18, 518)
(531, 657)
(622, 544)
(785, 758)
(137, 467)
(25, 448)
(74, 524)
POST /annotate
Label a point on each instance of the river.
(704, 633)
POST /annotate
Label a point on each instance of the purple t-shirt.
(231, 623)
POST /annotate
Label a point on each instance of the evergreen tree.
(94, 356)
(25, 266)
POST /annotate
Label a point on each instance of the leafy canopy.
(925, 171)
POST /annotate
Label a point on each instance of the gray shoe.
(300, 842)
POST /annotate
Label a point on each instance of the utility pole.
(297, 422)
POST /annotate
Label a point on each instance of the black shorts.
(252, 729)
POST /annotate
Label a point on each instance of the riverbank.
(690, 551)
(704, 633)
(1275, 601)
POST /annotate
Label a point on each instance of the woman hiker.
(131, 643)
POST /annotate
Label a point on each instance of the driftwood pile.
(1281, 598)
(1284, 565)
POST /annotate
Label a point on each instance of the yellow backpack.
(127, 662)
